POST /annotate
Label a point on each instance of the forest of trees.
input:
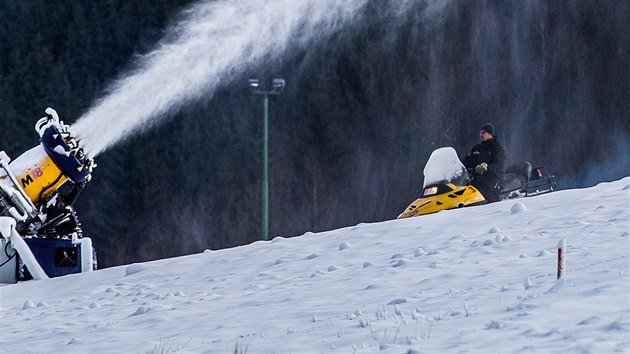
(350, 134)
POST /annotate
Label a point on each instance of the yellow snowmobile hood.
(441, 197)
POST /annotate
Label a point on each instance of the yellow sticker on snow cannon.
(30, 177)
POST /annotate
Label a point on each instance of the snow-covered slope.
(478, 280)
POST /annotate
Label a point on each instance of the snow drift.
(479, 280)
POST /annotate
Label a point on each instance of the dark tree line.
(362, 110)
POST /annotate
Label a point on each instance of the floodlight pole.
(277, 86)
(265, 186)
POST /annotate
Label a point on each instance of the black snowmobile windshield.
(444, 167)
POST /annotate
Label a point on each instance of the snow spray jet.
(217, 41)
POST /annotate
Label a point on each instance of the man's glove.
(481, 168)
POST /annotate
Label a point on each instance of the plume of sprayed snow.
(217, 41)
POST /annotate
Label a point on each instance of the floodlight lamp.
(254, 83)
(278, 84)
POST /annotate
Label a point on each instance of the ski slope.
(474, 280)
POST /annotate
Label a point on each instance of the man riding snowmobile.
(450, 184)
(486, 161)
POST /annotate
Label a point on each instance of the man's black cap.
(488, 128)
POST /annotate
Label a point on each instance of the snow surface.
(477, 280)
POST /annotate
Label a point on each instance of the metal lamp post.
(276, 87)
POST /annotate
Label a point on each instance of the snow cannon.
(40, 234)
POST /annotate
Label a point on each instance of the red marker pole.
(562, 246)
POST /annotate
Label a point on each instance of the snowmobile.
(40, 234)
(447, 184)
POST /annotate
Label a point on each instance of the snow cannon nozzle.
(63, 148)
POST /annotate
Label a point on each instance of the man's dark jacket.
(492, 153)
